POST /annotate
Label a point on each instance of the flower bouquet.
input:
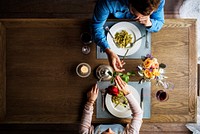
(150, 69)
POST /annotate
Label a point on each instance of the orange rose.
(147, 63)
(148, 73)
(156, 72)
(155, 63)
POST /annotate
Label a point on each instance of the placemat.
(143, 50)
(146, 101)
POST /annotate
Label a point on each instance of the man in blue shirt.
(150, 13)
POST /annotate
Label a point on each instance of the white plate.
(131, 29)
(121, 111)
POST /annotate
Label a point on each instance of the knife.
(147, 42)
(141, 98)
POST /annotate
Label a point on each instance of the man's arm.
(101, 13)
(157, 18)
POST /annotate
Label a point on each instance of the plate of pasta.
(124, 34)
(119, 106)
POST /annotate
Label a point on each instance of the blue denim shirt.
(119, 9)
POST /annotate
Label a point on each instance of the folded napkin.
(195, 128)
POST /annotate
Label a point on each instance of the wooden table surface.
(38, 82)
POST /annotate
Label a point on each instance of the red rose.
(112, 90)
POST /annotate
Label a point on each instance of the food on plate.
(122, 39)
(112, 90)
(120, 99)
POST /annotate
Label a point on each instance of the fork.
(103, 91)
(131, 44)
(125, 54)
(108, 30)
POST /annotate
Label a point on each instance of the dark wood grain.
(59, 9)
(2, 71)
(47, 8)
(64, 8)
(147, 128)
(42, 86)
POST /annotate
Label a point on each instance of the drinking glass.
(86, 38)
(162, 95)
(86, 49)
(166, 85)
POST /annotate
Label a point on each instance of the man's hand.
(114, 61)
(145, 20)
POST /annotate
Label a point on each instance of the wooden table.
(38, 82)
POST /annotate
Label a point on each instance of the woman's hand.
(121, 85)
(92, 94)
(114, 61)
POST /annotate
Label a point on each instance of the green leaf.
(112, 81)
(110, 73)
(114, 74)
(128, 73)
(132, 73)
(120, 74)
(162, 65)
(125, 78)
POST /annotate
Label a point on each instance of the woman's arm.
(136, 121)
(85, 126)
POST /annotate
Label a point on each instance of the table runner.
(143, 50)
(146, 102)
